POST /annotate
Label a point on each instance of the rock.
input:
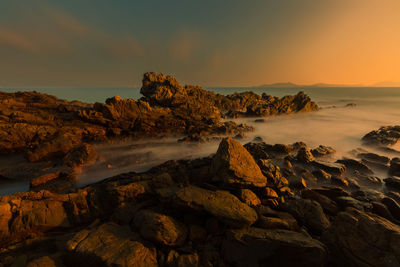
(45, 261)
(249, 198)
(233, 164)
(322, 151)
(221, 204)
(37, 181)
(272, 223)
(392, 182)
(187, 260)
(113, 245)
(304, 155)
(256, 247)
(384, 136)
(82, 155)
(392, 206)
(309, 213)
(331, 168)
(381, 210)
(355, 165)
(160, 229)
(297, 182)
(367, 195)
(197, 233)
(357, 238)
(394, 167)
(322, 175)
(345, 202)
(269, 193)
(326, 203)
(372, 157)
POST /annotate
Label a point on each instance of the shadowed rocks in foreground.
(178, 214)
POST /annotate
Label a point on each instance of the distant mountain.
(293, 85)
(386, 84)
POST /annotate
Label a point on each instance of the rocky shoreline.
(256, 204)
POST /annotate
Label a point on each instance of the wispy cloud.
(17, 40)
(58, 32)
(184, 45)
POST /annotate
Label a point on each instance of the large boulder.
(221, 204)
(160, 229)
(357, 238)
(309, 213)
(384, 136)
(233, 164)
(112, 245)
(261, 247)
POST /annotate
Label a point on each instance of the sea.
(347, 114)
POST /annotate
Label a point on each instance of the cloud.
(184, 45)
(16, 40)
(65, 21)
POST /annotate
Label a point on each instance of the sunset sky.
(210, 43)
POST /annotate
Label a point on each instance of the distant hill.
(293, 85)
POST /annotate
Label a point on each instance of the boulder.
(357, 238)
(221, 204)
(353, 164)
(304, 155)
(392, 182)
(322, 151)
(248, 197)
(160, 229)
(394, 168)
(331, 168)
(81, 155)
(328, 205)
(384, 136)
(309, 213)
(112, 245)
(233, 164)
(262, 247)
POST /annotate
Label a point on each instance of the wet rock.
(392, 182)
(297, 182)
(160, 229)
(322, 175)
(249, 198)
(384, 136)
(45, 261)
(381, 210)
(345, 202)
(332, 192)
(357, 238)
(255, 247)
(328, 205)
(79, 156)
(272, 223)
(309, 213)
(394, 167)
(392, 206)
(304, 155)
(331, 168)
(374, 160)
(113, 245)
(356, 165)
(233, 164)
(221, 204)
(322, 151)
(367, 195)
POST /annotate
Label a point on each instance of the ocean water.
(335, 125)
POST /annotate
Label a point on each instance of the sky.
(209, 43)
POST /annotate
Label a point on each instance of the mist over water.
(340, 127)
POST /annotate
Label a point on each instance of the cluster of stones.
(252, 205)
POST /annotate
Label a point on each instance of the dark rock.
(309, 213)
(357, 238)
(392, 206)
(392, 182)
(326, 203)
(221, 204)
(323, 151)
(257, 247)
(384, 136)
(331, 168)
(355, 165)
(304, 155)
(113, 245)
(159, 228)
(394, 167)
